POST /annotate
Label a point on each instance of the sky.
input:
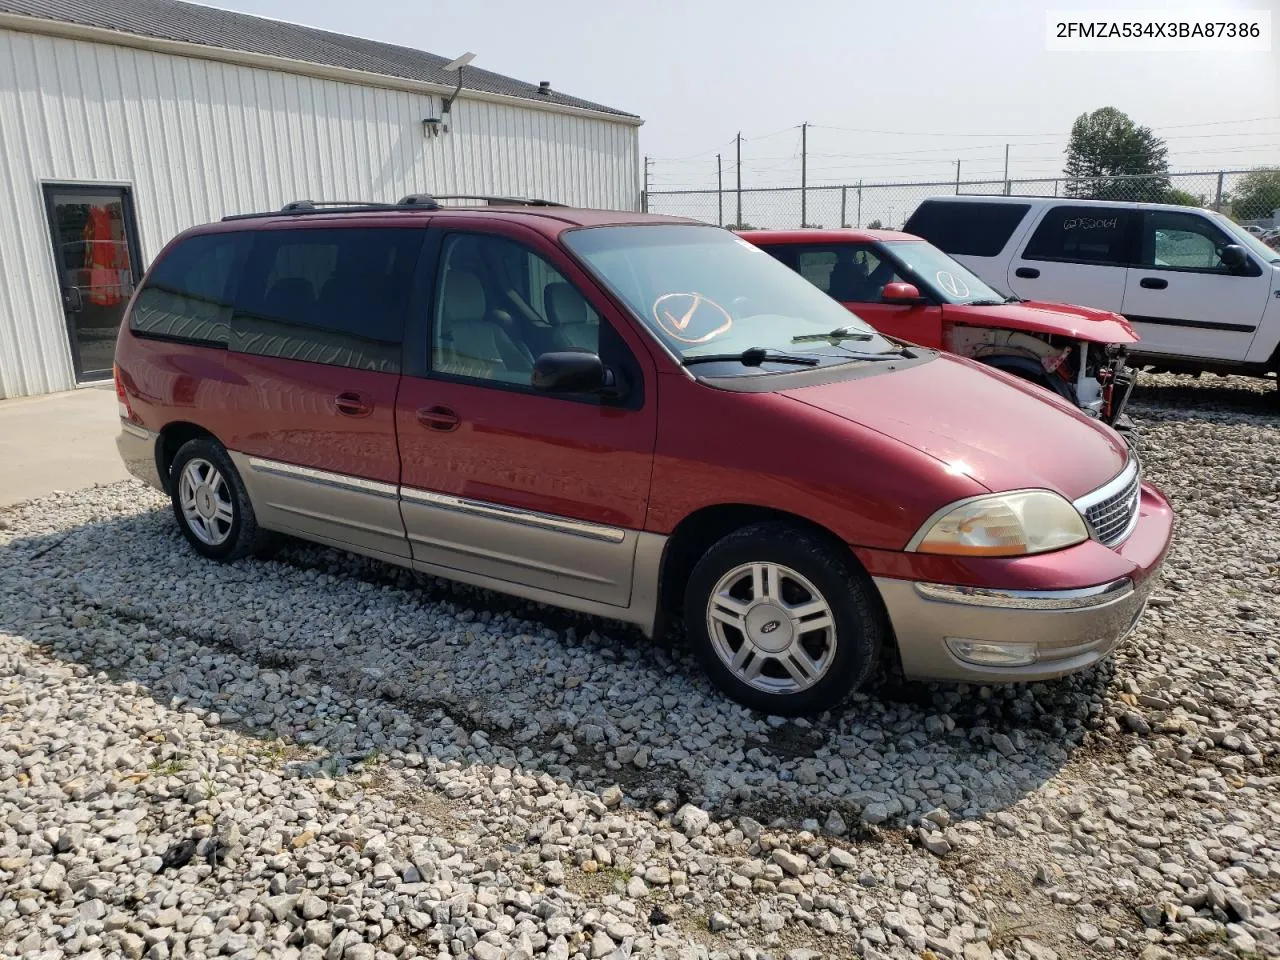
(892, 91)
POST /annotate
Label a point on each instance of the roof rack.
(414, 201)
(496, 201)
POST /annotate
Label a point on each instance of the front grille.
(1111, 519)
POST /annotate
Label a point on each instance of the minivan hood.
(1003, 433)
(1063, 319)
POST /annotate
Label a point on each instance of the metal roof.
(225, 29)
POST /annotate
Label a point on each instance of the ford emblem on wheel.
(771, 626)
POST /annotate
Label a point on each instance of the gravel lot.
(313, 755)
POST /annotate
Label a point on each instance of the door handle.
(438, 418)
(352, 405)
(72, 302)
(1026, 273)
(1153, 283)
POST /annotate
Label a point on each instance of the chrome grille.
(1112, 510)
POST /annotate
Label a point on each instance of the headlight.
(1003, 525)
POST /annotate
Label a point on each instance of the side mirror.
(902, 293)
(571, 371)
(1234, 256)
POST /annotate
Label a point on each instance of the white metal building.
(123, 123)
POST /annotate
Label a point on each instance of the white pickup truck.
(1201, 291)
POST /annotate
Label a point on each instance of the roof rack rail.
(302, 207)
(414, 201)
(514, 201)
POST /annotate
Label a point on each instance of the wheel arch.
(698, 531)
(170, 441)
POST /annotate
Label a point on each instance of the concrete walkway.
(61, 441)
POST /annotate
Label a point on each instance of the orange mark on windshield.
(690, 317)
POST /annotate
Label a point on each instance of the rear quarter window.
(189, 295)
(967, 229)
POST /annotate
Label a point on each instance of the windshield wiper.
(902, 353)
(989, 302)
(752, 357)
(834, 337)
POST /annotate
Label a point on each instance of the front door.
(95, 250)
(499, 480)
(1183, 300)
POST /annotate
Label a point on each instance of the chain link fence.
(888, 205)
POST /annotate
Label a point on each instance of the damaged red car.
(907, 288)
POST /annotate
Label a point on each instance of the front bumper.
(137, 446)
(1052, 623)
(993, 636)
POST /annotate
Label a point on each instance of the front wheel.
(782, 620)
(210, 501)
(1029, 370)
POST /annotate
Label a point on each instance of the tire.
(726, 622)
(1029, 370)
(210, 502)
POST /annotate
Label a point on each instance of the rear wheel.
(782, 620)
(210, 501)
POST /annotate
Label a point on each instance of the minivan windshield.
(949, 280)
(1246, 239)
(705, 292)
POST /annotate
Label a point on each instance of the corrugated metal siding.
(197, 139)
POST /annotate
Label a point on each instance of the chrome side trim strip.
(470, 551)
(338, 521)
(142, 433)
(528, 518)
(1108, 489)
(340, 480)
(1082, 598)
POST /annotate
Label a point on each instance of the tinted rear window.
(972, 229)
(1082, 235)
(190, 292)
(327, 296)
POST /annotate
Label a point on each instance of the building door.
(95, 248)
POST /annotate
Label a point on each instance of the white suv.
(1202, 292)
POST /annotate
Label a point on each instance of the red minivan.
(637, 417)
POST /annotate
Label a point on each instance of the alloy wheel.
(771, 627)
(205, 498)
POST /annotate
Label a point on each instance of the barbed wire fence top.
(887, 205)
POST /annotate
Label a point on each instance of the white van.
(1201, 292)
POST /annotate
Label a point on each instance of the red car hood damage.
(999, 431)
(1068, 320)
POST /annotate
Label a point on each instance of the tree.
(1109, 157)
(1182, 197)
(1257, 195)
(875, 225)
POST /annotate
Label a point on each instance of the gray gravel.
(314, 755)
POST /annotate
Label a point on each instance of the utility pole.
(738, 168)
(719, 193)
(644, 196)
(1006, 169)
(804, 173)
(957, 178)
